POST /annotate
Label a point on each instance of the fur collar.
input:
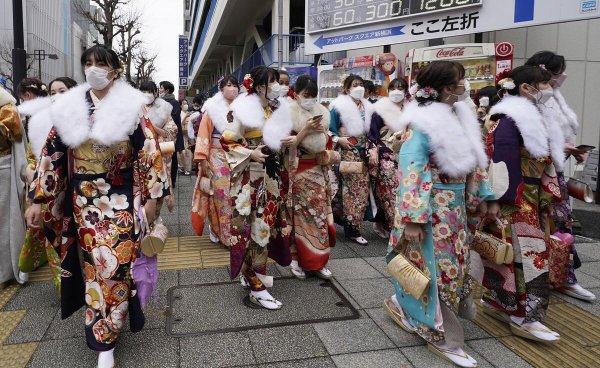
(313, 142)
(6, 98)
(350, 115)
(529, 121)
(455, 137)
(249, 111)
(387, 110)
(40, 125)
(32, 107)
(115, 118)
(556, 137)
(566, 110)
(159, 113)
(217, 108)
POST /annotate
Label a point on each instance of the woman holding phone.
(566, 119)
(314, 230)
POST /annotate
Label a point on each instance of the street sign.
(183, 62)
(337, 25)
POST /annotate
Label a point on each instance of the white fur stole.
(350, 115)
(159, 113)
(217, 108)
(251, 114)
(455, 138)
(387, 110)
(115, 118)
(529, 121)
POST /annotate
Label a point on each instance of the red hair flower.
(248, 83)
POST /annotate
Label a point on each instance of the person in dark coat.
(166, 91)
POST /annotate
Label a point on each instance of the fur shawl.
(567, 117)
(32, 107)
(6, 98)
(314, 142)
(115, 118)
(159, 113)
(350, 115)
(529, 121)
(388, 110)
(556, 137)
(217, 108)
(455, 137)
(40, 125)
(248, 110)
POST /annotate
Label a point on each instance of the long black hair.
(554, 63)
(528, 74)
(262, 76)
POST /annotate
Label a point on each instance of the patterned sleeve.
(203, 141)
(478, 189)
(550, 189)
(334, 122)
(152, 176)
(10, 124)
(235, 146)
(50, 177)
(414, 178)
(504, 147)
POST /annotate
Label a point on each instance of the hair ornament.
(248, 83)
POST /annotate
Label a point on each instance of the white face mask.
(275, 91)
(541, 97)
(97, 77)
(284, 90)
(558, 81)
(396, 95)
(149, 98)
(307, 103)
(466, 94)
(357, 92)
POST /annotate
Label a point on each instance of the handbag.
(351, 167)
(559, 258)
(154, 237)
(490, 247)
(414, 281)
(580, 190)
(206, 186)
(328, 157)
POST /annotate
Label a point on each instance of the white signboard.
(336, 25)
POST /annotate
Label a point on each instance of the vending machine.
(380, 69)
(483, 62)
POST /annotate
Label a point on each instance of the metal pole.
(280, 31)
(39, 57)
(19, 55)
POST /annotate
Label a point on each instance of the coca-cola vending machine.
(483, 62)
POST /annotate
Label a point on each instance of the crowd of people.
(86, 169)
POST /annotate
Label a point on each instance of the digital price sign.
(324, 15)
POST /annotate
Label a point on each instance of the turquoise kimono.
(427, 196)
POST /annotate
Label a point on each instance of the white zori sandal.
(457, 356)
(397, 315)
(535, 331)
(265, 300)
(360, 240)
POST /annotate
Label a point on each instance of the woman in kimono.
(258, 125)
(37, 249)
(383, 117)
(13, 161)
(519, 140)
(158, 111)
(100, 168)
(566, 119)
(212, 163)
(441, 175)
(314, 230)
(348, 127)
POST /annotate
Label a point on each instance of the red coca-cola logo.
(457, 51)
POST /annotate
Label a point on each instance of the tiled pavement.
(30, 321)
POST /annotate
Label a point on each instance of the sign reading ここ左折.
(335, 25)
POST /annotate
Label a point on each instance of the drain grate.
(218, 307)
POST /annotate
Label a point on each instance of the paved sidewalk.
(30, 322)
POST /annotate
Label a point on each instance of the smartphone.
(317, 117)
(585, 147)
(353, 141)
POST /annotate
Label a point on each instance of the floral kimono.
(351, 200)
(441, 157)
(258, 224)
(216, 207)
(519, 141)
(382, 116)
(159, 114)
(12, 187)
(314, 229)
(100, 163)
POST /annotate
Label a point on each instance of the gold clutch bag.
(492, 248)
(351, 167)
(414, 281)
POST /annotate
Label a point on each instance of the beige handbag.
(580, 190)
(206, 186)
(414, 281)
(154, 239)
(492, 248)
(351, 167)
(167, 148)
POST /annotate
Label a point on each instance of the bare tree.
(110, 11)
(128, 29)
(144, 66)
(6, 63)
